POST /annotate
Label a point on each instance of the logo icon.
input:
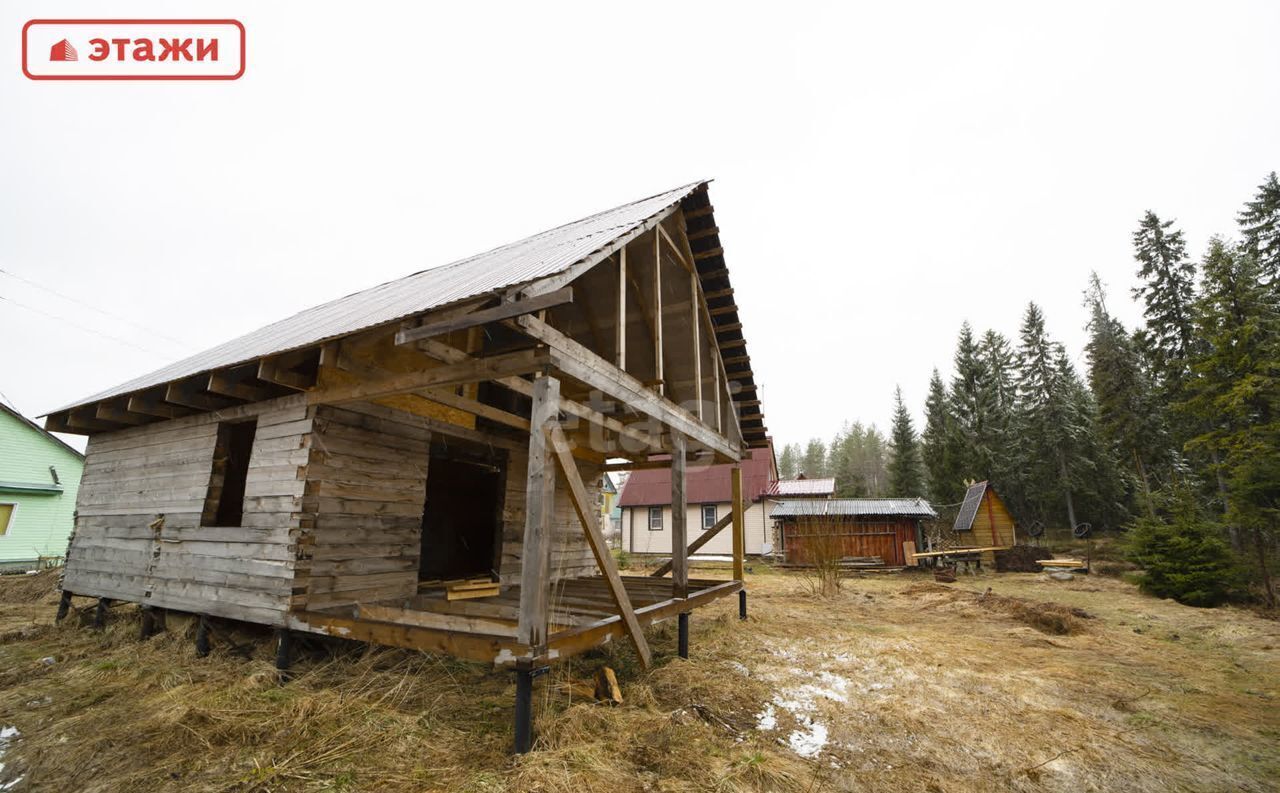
(63, 51)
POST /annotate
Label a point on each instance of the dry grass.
(999, 682)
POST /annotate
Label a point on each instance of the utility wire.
(84, 328)
(185, 345)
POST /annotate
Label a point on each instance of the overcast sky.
(883, 172)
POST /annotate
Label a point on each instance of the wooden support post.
(202, 637)
(621, 342)
(100, 613)
(589, 516)
(147, 623)
(657, 313)
(284, 652)
(539, 513)
(64, 606)
(739, 538)
(679, 520)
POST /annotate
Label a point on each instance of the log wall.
(133, 476)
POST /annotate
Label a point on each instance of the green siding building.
(39, 478)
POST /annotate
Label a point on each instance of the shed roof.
(708, 485)
(856, 507)
(969, 507)
(803, 487)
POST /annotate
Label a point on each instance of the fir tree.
(906, 472)
(1260, 227)
(1168, 296)
(789, 461)
(1048, 416)
(814, 462)
(1236, 393)
(1183, 557)
(1128, 416)
(946, 484)
(970, 408)
(999, 401)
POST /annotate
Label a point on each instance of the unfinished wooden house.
(370, 468)
(984, 523)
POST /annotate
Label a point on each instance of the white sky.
(883, 172)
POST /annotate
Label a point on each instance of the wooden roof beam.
(708, 254)
(273, 370)
(484, 316)
(221, 383)
(156, 407)
(707, 232)
(118, 413)
(191, 394)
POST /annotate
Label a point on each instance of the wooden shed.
(850, 528)
(984, 521)
(366, 467)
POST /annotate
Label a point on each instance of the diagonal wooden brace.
(588, 516)
(702, 540)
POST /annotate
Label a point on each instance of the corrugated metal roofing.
(910, 507)
(969, 508)
(545, 254)
(709, 485)
(803, 487)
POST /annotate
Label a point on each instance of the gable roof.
(37, 428)
(803, 487)
(855, 507)
(564, 251)
(709, 485)
(969, 507)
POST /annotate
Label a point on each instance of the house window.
(6, 517)
(655, 518)
(224, 505)
(708, 516)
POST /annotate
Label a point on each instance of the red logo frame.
(239, 73)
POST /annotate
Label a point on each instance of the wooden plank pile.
(462, 588)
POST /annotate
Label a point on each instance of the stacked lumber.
(462, 588)
(1068, 563)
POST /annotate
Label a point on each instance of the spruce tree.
(1048, 416)
(1260, 226)
(1182, 556)
(946, 484)
(789, 461)
(999, 436)
(814, 462)
(970, 408)
(1129, 419)
(1236, 394)
(1168, 297)
(906, 472)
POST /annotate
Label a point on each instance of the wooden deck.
(583, 616)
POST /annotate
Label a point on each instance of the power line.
(84, 328)
(186, 345)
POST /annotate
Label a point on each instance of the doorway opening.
(462, 518)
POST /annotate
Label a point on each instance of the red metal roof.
(709, 485)
(803, 487)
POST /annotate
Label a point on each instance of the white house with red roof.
(646, 506)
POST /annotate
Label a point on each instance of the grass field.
(895, 684)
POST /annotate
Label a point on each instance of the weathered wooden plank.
(480, 369)
(539, 517)
(679, 520)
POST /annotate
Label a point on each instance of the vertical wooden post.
(679, 520)
(715, 393)
(100, 613)
(739, 536)
(657, 313)
(64, 606)
(695, 322)
(202, 637)
(540, 486)
(621, 335)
